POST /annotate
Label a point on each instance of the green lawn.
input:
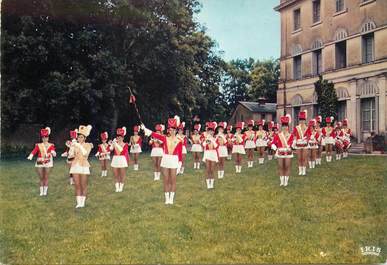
(336, 209)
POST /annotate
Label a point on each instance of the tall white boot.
(198, 165)
(236, 169)
(310, 164)
(117, 187)
(282, 180)
(41, 191)
(121, 187)
(83, 201)
(208, 183)
(79, 201)
(212, 182)
(299, 171)
(304, 171)
(269, 157)
(166, 194)
(171, 197)
(45, 189)
(286, 180)
(222, 173)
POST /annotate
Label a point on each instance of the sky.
(242, 28)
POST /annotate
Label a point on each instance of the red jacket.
(279, 141)
(139, 140)
(124, 151)
(176, 147)
(39, 150)
(298, 133)
(103, 149)
(328, 133)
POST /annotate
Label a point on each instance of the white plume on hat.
(49, 130)
(290, 118)
(177, 118)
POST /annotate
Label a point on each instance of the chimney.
(262, 101)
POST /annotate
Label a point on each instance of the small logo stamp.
(370, 250)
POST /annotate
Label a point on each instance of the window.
(341, 55)
(341, 110)
(296, 19)
(368, 114)
(316, 62)
(339, 5)
(296, 111)
(368, 48)
(316, 10)
(297, 67)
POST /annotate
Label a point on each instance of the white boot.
(313, 164)
(208, 183)
(45, 189)
(41, 191)
(252, 163)
(261, 160)
(282, 179)
(304, 171)
(117, 187)
(83, 201)
(166, 194)
(219, 174)
(212, 182)
(121, 187)
(299, 171)
(222, 173)
(236, 169)
(269, 157)
(171, 197)
(310, 164)
(286, 180)
(71, 181)
(228, 157)
(182, 170)
(198, 165)
(79, 201)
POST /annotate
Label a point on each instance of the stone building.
(345, 41)
(246, 110)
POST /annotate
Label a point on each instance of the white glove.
(274, 147)
(147, 132)
(30, 157)
(97, 154)
(65, 154)
(53, 153)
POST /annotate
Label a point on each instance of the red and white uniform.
(312, 138)
(210, 149)
(329, 135)
(103, 151)
(347, 133)
(172, 150)
(157, 149)
(261, 138)
(283, 145)
(120, 155)
(229, 138)
(339, 140)
(196, 143)
(238, 144)
(300, 135)
(45, 154)
(221, 141)
(135, 144)
(249, 137)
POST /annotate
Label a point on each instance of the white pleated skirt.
(210, 155)
(250, 144)
(238, 149)
(261, 143)
(222, 151)
(77, 169)
(169, 161)
(157, 152)
(119, 161)
(135, 149)
(196, 148)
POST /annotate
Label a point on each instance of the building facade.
(345, 41)
(246, 110)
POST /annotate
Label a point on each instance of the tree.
(326, 98)
(264, 78)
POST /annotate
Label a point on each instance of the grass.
(336, 209)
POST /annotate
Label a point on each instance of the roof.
(256, 107)
(283, 4)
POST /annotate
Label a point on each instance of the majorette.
(221, 140)
(45, 152)
(103, 153)
(172, 152)
(210, 156)
(320, 147)
(261, 140)
(157, 151)
(250, 143)
(196, 148)
(347, 134)
(282, 144)
(238, 146)
(313, 140)
(301, 143)
(80, 167)
(328, 139)
(273, 129)
(135, 146)
(120, 160)
(73, 136)
(229, 137)
(182, 138)
(339, 140)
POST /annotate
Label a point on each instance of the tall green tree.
(326, 98)
(264, 78)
